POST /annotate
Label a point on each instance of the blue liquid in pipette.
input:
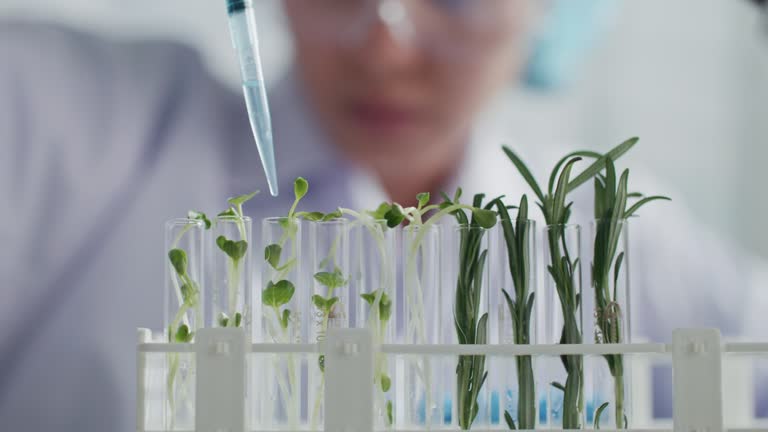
(242, 24)
(261, 125)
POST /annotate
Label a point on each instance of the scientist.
(103, 141)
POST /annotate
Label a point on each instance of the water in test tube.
(242, 25)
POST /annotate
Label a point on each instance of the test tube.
(373, 303)
(242, 26)
(512, 380)
(421, 316)
(281, 303)
(183, 316)
(564, 317)
(328, 275)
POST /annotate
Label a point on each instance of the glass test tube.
(610, 377)
(281, 302)
(467, 272)
(183, 316)
(425, 394)
(514, 387)
(328, 273)
(565, 324)
(373, 301)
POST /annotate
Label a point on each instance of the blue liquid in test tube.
(242, 25)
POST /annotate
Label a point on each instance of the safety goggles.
(449, 29)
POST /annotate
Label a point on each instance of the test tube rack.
(221, 356)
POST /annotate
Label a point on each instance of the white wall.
(690, 77)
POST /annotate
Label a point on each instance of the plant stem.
(618, 381)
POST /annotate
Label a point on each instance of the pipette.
(242, 26)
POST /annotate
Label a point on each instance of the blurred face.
(392, 77)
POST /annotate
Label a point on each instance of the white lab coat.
(103, 141)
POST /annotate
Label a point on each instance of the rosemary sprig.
(612, 209)
(516, 236)
(471, 328)
(562, 268)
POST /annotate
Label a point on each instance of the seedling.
(188, 291)
(562, 267)
(236, 251)
(612, 210)
(277, 295)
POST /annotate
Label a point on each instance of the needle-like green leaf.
(599, 164)
(525, 172)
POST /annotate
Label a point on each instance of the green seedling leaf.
(272, 255)
(386, 383)
(233, 249)
(330, 303)
(331, 280)
(238, 319)
(239, 200)
(484, 218)
(423, 199)
(325, 305)
(311, 216)
(230, 212)
(336, 214)
(389, 412)
(598, 413)
(278, 294)
(285, 318)
(300, 188)
(183, 335)
(196, 215)
(385, 304)
(178, 260)
(223, 319)
(319, 301)
(321, 363)
(380, 212)
(394, 216)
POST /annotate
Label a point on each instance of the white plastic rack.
(221, 374)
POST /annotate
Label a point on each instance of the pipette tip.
(272, 186)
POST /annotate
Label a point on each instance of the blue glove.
(571, 27)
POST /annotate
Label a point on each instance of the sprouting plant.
(611, 213)
(278, 293)
(381, 307)
(188, 291)
(562, 268)
(279, 288)
(471, 327)
(327, 306)
(516, 236)
(235, 250)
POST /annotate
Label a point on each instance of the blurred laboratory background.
(690, 77)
